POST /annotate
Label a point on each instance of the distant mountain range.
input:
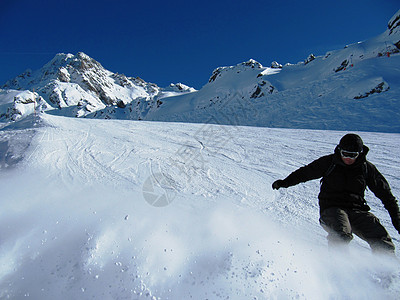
(355, 88)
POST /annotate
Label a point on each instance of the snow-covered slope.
(111, 209)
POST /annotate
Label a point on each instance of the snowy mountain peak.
(251, 64)
(180, 87)
(62, 68)
(79, 60)
(82, 84)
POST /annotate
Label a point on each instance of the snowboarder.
(343, 210)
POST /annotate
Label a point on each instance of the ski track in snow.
(75, 223)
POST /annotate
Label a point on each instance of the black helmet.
(351, 142)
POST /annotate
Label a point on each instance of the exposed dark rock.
(309, 59)
(276, 65)
(257, 93)
(376, 90)
(394, 23)
(215, 74)
(121, 104)
(343, 66)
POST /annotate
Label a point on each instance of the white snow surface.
(76, 220)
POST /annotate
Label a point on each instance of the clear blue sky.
(181, 41)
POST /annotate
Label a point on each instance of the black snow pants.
(342, 223)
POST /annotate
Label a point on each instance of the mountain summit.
(354, 88)
(83, 85)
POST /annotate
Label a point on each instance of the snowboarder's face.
(348, 160)
(349, 157)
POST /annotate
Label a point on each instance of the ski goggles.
(349, 154)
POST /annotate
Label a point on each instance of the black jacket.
(344, 185)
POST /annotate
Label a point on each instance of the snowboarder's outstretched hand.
(278, 184)
(396, 224)
(395, 216)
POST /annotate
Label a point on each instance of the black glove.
(278, 184)
(395, 216)
(396, 224)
